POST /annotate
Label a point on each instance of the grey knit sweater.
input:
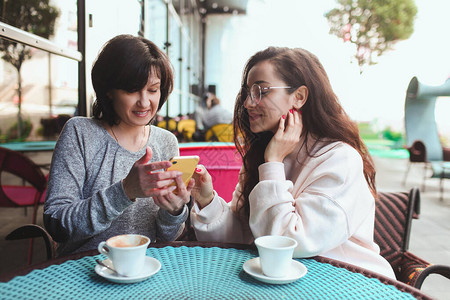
(86, 203)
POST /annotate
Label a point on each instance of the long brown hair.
(323, 116)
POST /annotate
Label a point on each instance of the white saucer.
(253, 268)
(151, 267)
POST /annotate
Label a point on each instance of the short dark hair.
(126, 62)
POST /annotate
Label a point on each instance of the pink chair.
(223, 162)
(30, 193)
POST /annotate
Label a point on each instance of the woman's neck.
(131, 138)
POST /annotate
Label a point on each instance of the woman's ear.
(301, 95)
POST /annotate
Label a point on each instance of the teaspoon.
(108, 267)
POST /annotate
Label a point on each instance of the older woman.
(107, 175)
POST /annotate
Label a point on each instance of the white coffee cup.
(126, 252)
(275, 254)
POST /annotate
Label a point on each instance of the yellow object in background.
(220, 133)
(172, 125)
(186, 129)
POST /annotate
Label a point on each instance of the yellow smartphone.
(184, 164)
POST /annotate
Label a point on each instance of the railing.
(18, 35)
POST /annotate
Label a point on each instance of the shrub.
(12, 135)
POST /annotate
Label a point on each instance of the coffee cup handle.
(103, 248)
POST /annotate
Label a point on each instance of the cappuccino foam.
(126, 241)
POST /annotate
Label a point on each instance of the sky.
(378, 94)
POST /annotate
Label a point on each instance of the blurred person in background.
(215, 113)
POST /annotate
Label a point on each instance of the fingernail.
(291, 111)
(198, 170)
(284, 117)
(179, 173)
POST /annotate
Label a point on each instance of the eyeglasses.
(256, 92)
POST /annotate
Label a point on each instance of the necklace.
(142, 142)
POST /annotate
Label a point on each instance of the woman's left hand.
(286, 137)
(174, 201)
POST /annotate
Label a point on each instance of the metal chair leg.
(424, 177)
(406, 174)
(30, 251)
(443, 176)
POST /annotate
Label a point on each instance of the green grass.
(393, 153)
(385, 148)
(379, 145)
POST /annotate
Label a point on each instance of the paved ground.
(430, 235)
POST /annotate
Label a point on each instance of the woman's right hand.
(286, 137)
(203, 191)
(149, 179)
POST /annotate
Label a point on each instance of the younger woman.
(306, 173)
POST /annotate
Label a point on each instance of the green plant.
(366, 131)
(374, 26)
(14, 134)
(40, 131)
(445, 140)
(389, 134)
(3, 137)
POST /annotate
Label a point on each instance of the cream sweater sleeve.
(218, 221)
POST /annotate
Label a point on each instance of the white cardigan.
(322, 201)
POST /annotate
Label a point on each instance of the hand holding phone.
(184, 164)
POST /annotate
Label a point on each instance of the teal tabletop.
(30, 146)
(199, 273)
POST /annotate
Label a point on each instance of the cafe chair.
(220, 133)
(30, 193)
(171, 125)
(393, 217)
(32, 190)
(186, 128)
(417, 154)
(223, 163)
(30, 231)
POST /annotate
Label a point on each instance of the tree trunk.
(19, 105)
(50, 88)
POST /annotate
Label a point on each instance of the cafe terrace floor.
(430, 234)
